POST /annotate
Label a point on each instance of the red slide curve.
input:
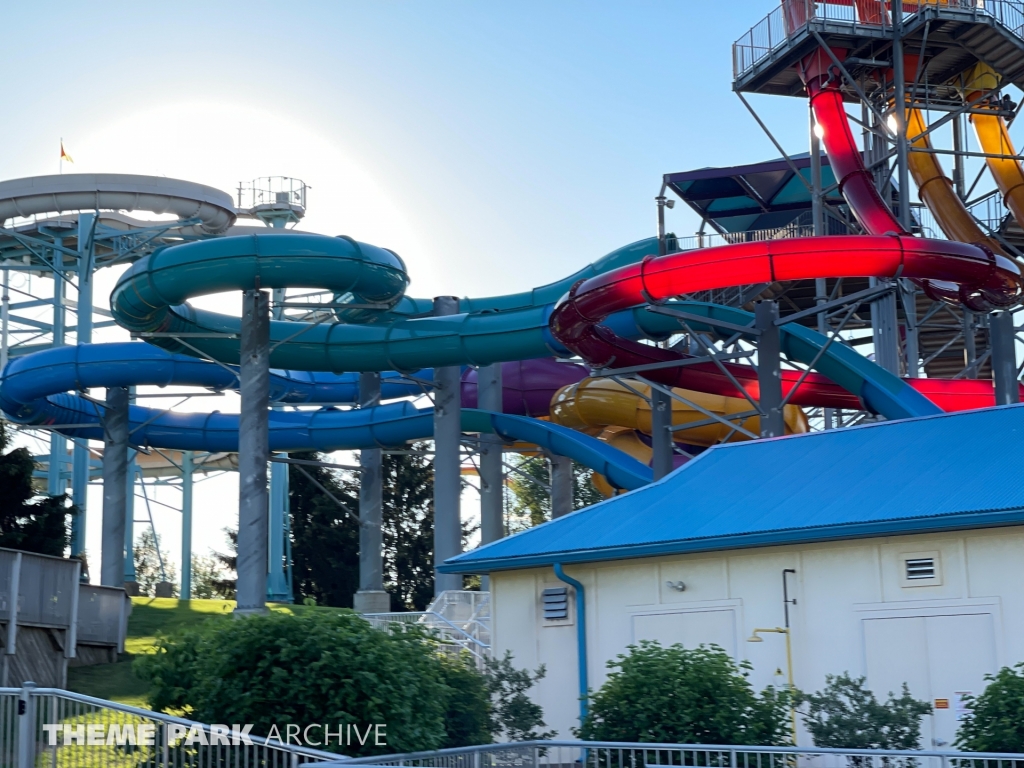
(954, 272)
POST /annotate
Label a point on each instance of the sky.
(495, 145)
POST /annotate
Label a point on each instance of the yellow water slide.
(617, 414)
(594, 404)
(936, 189)
(994, 138)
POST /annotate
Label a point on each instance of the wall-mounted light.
(678, 586)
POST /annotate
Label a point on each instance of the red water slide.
(955, 272)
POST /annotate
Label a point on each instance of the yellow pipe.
(594, 404)
(937, 192)
(994, 138)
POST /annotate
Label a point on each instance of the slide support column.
(492, 472)
(253, 453)
(661, 433)
(447, 461)
(55, 484)
(278, 590)
(884, 329)
(561, 486)
(1004, 358)
(187, 467)
(769, 368)
(371, 597)
(115, 487)
(80, 456)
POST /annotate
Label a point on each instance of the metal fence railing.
(51, 728)
(789, 18)
(593, 754)
(59, 729)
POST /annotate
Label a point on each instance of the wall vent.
(556, 603)
(920, 568)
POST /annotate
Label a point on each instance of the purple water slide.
(527, 385)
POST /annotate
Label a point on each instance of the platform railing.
(53, 728)
(597, 754)
(790, 17)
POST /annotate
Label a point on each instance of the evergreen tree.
(325, 537)
(530, 499)
(409, 529)
(152, 564)
(207, 574)
(29, 522)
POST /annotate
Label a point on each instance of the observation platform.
(953, 35)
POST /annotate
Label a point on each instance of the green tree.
(325, 536)
(529, 495)
(228, 563)
(28, 521)
(153, 564)
(677, 695)
(995, 718)
(206, 576)
(846, 715)
(408, 511)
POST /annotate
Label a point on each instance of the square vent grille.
(920, 568)
(556, 603)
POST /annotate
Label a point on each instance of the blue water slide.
(39, 390)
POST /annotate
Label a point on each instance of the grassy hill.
(151, 616)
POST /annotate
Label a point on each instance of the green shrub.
(514, 717)
(846, 715)
(685, 696)
(995, 718)
(468, 704)
(317, 667)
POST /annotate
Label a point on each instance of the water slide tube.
(936, 190)
(994, 138)
(117, 191)
(592, 405)
(36, 389)
(949, 271)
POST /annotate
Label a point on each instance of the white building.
(900, 545)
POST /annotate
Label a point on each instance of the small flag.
(63, 153)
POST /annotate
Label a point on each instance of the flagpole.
(60, 163)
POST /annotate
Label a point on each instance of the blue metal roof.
(945, 472)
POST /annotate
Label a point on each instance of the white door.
(938, 657)
(691, 628)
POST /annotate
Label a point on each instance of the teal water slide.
(374, 327)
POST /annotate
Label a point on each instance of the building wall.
(855, 612)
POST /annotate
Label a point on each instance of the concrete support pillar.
(769, 368)
(447, 461)
(187, 467)
(561, 486)
(1004, 358)
(371, 597)
(253, 453)
(661, 433)
(492, 472)
(115, 487)
(277, 581)
(80, 459)
(131, 586)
